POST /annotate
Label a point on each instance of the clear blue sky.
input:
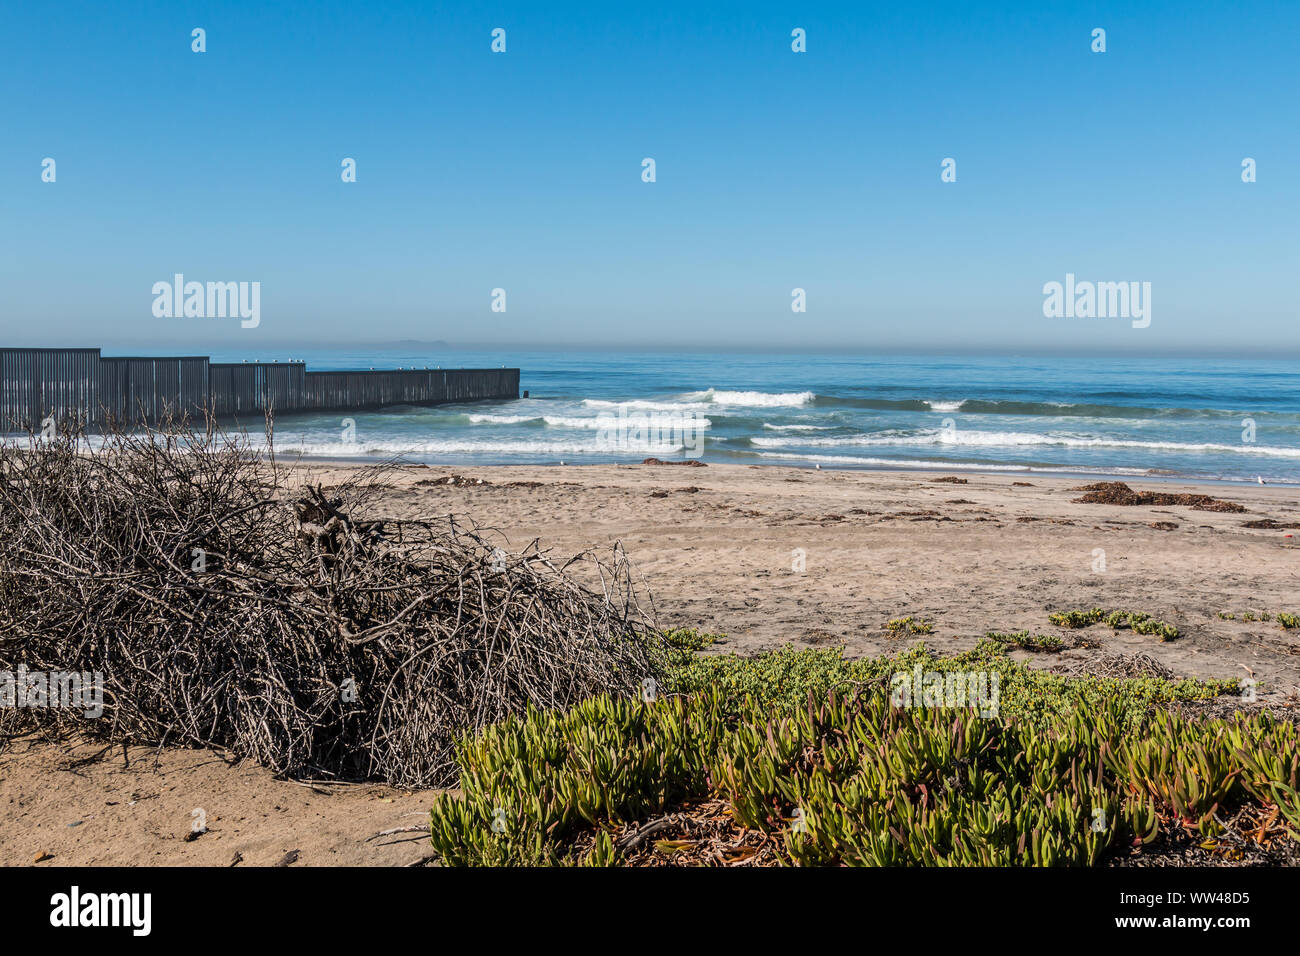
(775, 170)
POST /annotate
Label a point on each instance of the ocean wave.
(1049, 409)
(798, 428)
(601, 421)
(639, 404)
(710, 398)
(930, 465)
(752, 399)
(503, 419)
(973, 438)
(338, 449)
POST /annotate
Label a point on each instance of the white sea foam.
(502, 419)
(646, 405)
(396, 446)
(972, 438)
(948, 465)
(946, 406)
(752, 399)
(710, 398)
(559, 421)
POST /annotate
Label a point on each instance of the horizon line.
(1003, 350)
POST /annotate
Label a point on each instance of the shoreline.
(968, 470)
(285, 455)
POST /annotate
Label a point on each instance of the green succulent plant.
(1076, 619)
(1029, 642)
(910, 625)
(1138, 621)
(1072, 770)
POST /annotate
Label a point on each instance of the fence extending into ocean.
(82, 385)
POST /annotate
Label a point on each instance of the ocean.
(1206, 419)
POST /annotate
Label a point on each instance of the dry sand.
(81, 806)
(716, 546)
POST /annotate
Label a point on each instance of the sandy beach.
(716, 547)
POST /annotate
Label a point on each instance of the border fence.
(63, 384)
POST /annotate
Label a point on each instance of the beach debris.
(689, 462)
(456, 481)
(226, 602)
(1118, 493)
(1116, 666)
(384, 833)
(289, 858)
(699, 833)
(951, 480)
(42, 856)
(237, 859)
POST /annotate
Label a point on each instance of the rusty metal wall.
(343, 390)
(248, 387)
(80, 383)
(148, 389)
(37, 383)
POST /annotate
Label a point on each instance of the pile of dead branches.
(229, 603)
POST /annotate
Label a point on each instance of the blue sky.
(775, 170)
